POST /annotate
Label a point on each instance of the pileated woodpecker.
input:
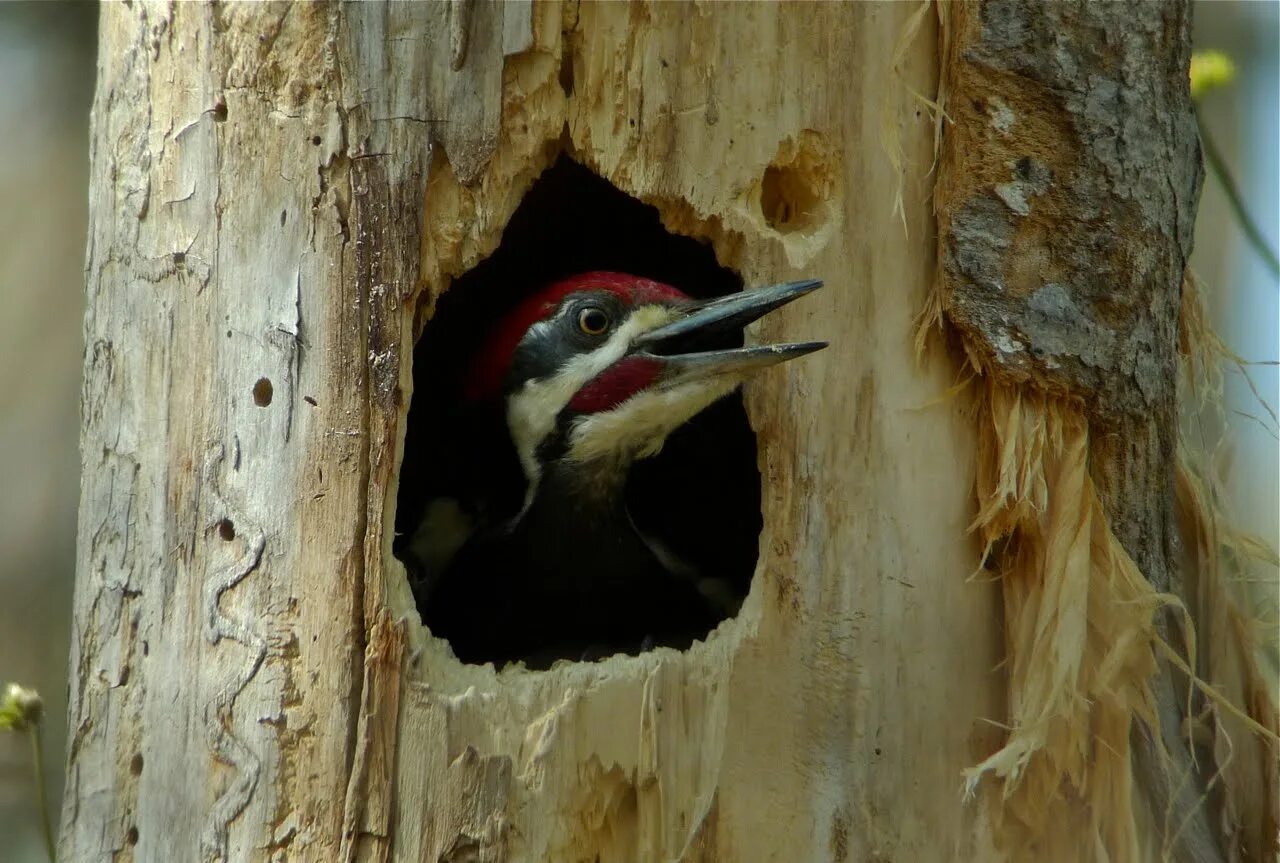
(581, 380)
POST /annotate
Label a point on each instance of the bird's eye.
(593, 321)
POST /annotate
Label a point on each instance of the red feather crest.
(494, 359)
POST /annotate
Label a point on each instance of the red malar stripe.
(616, 384)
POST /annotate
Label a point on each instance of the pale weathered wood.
(281, 192)
(218, 635)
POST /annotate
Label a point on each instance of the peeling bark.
(1066, 204)
(1067, 215)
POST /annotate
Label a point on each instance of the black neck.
(579, 524)
(585, 494)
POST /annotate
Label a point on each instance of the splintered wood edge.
(463, 223)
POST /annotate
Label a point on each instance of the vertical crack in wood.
(287, 338)
(366, 822)
(360, 537)
(459, 32)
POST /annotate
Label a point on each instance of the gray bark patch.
(1074, 197)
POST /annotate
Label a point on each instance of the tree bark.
(1067, 197)
(280, 192)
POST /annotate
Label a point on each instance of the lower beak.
(671, 343)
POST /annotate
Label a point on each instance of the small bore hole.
(262, 392)
(135, 764)
(787, 200)
(315, 140)
(226, 529)
(795, 190)
(220, 111)
(132, 836)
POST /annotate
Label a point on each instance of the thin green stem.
(37, 752)
(1218, 166)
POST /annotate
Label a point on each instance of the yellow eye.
(593, 321)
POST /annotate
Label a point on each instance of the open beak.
(676, 344)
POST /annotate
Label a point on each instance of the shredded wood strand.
(1079, 628)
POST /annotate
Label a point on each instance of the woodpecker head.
(598, 369)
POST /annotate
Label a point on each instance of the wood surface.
(280, 193)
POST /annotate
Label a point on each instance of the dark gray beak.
(675, 344)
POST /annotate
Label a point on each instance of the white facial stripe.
(532, 411)
(638, 427)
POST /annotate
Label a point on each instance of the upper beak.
(670, 342)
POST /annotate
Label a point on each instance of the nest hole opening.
(699, 497)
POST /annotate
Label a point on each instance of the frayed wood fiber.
(1079, 631)
(1120, 744)
(1230, 587)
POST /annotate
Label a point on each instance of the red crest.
(484, 381)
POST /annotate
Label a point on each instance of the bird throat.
(578, 518)
(591, 492)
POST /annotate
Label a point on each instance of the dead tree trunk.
(281, 192)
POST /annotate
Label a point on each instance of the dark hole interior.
(700, 496)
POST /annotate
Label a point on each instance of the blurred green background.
(47, 65)
(47, 56)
